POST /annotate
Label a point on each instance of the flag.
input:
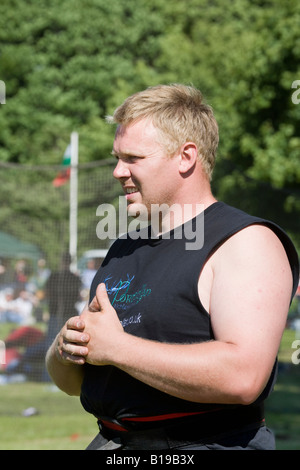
(64, 175)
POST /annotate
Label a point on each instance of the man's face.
(144, 170)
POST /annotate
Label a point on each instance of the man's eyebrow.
(117, 154)
(125, 154)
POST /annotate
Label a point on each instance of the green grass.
(283, 406)
(283, 409)
(61, 422)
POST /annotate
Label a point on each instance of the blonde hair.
(179, 113)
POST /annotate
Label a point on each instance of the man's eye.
(131, 159)
(128, 158)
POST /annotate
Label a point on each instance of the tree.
(244, 55)
(62, 63)
(68, 64)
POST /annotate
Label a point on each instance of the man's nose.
(121, 170)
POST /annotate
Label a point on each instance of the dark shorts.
(258, 438)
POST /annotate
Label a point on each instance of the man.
(62, 292)
(177, 349)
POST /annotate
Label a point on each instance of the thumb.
(101, 299)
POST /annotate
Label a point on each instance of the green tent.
(11, 247)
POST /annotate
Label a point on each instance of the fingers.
(73, 347)
(74, 352)
(94, 306)
(75, 323)
(74, 337)
(101, 299)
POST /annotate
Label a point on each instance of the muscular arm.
(251, 285)
(249, 298)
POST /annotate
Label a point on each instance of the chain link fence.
(38, 290)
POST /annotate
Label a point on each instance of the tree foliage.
(66, 64)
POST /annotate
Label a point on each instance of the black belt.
(183, 431)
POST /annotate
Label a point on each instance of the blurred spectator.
(16, 310)
(24, 353)
(23, 336)
(21, 273)
(62, 292)
(38, 281)
(83, 301)
(24, 308)
(2, 272)
(7, 307)
(7, 277)
(88, 274)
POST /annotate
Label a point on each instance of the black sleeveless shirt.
(153, 285)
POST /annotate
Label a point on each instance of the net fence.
(38, 290)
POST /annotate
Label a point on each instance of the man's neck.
(164, 218)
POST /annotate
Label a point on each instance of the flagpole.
(73, 201)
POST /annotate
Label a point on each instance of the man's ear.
(188, 157)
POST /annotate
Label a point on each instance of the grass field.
(283, 410)
(283, 406)
(62, 424)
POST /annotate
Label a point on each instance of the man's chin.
(138, 211)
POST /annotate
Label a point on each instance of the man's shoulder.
(253, 249)
(253, 236)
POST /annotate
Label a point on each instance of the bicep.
(250, 294)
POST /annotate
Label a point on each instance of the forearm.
(233, 370)
(67, 376)
(206, 373)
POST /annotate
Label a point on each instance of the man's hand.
(92, 336)
(71, 342)
(103, 328)
(66, 355)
